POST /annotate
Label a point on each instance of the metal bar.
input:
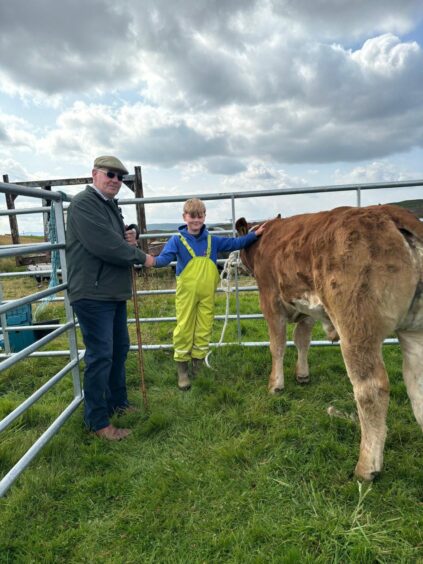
(31, 327)
(21, 190)
(73, 347)
(29, 189)
(67, 181)
(16, 357)
(140, 356)
(274, 192)
(216, 318)
(20, 466)
(8, 305)
(19, 245)
(28, 249)
(131, 321)
(168, 234)
(42, 272)
(256, 344)
(27, 273)
(21, 211)
(43, 354)
(60, 299)
(4, 423)
(3, 320)
(168, 346)
(139, 293)
(171, 291)
(237, 304)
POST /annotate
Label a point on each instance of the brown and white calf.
(360, 272)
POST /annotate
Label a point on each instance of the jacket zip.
(100, 270)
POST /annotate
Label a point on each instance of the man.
(100, 254)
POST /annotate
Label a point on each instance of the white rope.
(231, 263)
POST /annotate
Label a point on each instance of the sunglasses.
(111, 174)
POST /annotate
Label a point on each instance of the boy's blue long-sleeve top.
(175, 250)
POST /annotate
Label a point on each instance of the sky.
(212, 96)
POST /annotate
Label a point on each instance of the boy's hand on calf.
(260, 229)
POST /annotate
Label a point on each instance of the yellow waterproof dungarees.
(195, 293)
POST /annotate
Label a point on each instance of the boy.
(197, 277)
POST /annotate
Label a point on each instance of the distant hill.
(163, 226)
(415, 206)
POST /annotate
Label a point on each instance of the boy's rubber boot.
(197, 365)
(184, 383)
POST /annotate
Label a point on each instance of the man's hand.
(149, 261)
(131, 237)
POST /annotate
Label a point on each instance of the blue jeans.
(105, 332)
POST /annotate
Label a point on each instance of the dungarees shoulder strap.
(208, 245)
(191, 252)
(185, 244)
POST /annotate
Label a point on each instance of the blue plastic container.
(21, 315)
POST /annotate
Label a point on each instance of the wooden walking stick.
(139, 339)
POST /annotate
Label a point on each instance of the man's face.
(109, 187)
(194, 222)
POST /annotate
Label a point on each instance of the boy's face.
(194, 222)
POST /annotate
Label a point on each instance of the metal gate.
(72, 353)
(11, 359)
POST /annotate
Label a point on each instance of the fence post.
(13, 222)
(140, 208)
(359, 196)
(238, 309)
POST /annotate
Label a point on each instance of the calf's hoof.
(302, 378)
(366, 476)
(275, 391)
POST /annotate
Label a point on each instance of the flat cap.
(109, 162)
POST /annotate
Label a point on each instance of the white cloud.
(220, 94)
(387, 56)
(261, 175)
(346, 19)
(45, 44)
(377, 171)
(15, 133)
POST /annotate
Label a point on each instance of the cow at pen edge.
(360, 272)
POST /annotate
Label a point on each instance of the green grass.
(223, 473)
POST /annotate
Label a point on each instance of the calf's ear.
(241, 226)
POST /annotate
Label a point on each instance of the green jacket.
(98, 258)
